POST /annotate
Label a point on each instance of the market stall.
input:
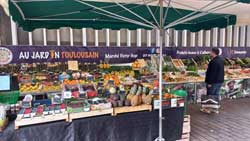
(54, 86)
(65, 91)
(98, 85)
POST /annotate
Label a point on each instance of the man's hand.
(209, 85)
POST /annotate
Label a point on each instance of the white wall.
(231, 36)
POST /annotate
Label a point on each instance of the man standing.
(214, 80)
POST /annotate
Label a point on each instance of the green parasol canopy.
(244, 1)
(53, 14)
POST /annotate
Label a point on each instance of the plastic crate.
(9, 97)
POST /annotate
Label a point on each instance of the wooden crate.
(177, 63)
(89, 114)
(185, 136)
(42, 119)
(186, 129)
(128, 109)
(4, 126)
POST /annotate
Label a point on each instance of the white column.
(13, 32)
(30, 38)
(44, 37)
(118, 38)
(192, 42)
(208, 38)
(167, 37)
(138, 37)
(248, 36)
(96, 38)
(84, 37)
(243, 36)
(107, 38)
(215, 37)
(176, 39)
(128, 38)
(71, 36)
(148, 38)
(222, 37)
(236, 36)
(184, 38)
(157, 37)
(229, 36)
(58, 38)
(200, 38)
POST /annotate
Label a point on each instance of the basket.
(9, 97)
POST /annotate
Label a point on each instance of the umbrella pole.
(160, 138)
(161, 28)
(160, 86)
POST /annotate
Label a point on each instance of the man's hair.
(215, 51)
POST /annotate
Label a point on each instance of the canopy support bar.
(166, 13)
(193, 13)
(219, 7)
(150, 11)
(115, 15)
(138, 16)
(79, 11)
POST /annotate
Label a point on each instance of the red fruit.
(91, 94)
(75, 94)
(63, 106)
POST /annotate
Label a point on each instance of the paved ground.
(232, 124)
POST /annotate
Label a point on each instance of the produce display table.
(232, 88)
(138, 126)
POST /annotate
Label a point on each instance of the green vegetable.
(246, 60)
(238, 61)
(192, 74)
(170, 68)
(192, 68)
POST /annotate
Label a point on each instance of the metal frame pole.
(160, 138)
(160, 87)
(13, 32)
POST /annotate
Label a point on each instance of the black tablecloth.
(138, 126)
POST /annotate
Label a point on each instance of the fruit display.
(109, 87)
(119, 77)
(168, 96)
(99, 104)
(39, 87)
(51, 86)
(77, 106)
(70, 82)
(41, 110)
(30, 87)
(235, 68)
(136, 65)
(104, 65)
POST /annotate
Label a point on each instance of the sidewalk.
(232, 124)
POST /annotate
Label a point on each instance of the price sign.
(73, 65)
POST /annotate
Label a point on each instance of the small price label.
(173, 102)
(182, 104)
(73, 65)
(67, 94)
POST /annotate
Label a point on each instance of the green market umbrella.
(117, 14)
(53, 14)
